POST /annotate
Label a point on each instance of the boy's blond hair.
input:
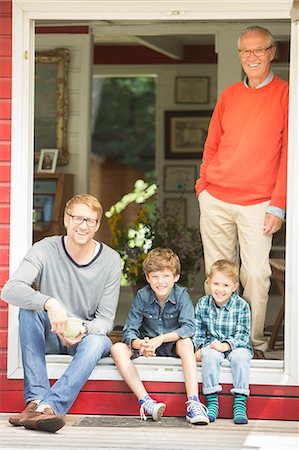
(228, 268)
(161, 259)
(88, 200)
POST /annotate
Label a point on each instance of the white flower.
(140, 185)
(131, 233)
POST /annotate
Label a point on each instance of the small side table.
(278, 274)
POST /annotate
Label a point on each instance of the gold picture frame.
(51, 103)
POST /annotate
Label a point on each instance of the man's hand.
(220, 346)
(57, 315)
(271, 224)
(68, 342)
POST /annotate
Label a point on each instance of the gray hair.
(257, 29)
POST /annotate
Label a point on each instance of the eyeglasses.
(78, 220)
(257, 52)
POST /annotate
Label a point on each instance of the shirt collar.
(263, 83)
(228, 305)
(171, 298)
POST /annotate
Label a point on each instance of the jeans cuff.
(240, 391)
(211, 390)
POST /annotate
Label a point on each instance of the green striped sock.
(240, 416)
(213, 406)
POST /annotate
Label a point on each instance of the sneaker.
(152, 408)
(196, 412)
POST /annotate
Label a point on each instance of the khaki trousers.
(235, 232)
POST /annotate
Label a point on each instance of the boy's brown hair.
(160, 259)
(228, 268)
(88, 200)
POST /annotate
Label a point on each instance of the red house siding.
(5, 130)
(99, 397)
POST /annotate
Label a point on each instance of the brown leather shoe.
(17, 419)
(43, 421)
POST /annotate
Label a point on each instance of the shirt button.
(160, 319)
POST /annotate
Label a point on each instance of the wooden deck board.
(221, 435)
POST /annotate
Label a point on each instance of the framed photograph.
(179, 178)
(176, 207)
(47, 160)
(185, 133)
(192, 90)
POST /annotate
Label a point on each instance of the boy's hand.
(220, 346)
(148, 346)
(198, 355)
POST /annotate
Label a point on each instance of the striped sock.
(213, 406)
(240, 416)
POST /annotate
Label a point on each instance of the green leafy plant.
(150, 229)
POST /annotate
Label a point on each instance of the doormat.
(131, 422)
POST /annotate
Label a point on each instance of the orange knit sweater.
(245, 154)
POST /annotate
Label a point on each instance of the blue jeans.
(37, 341)
(211, 364)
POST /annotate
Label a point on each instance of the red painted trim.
(5, 25)
(5, 109)
(4, 170)
(115, 402)
(82, 29)
(4, 259)
(4, 240)
(5, 68)
(4, 273)
(5, 87)
(4, 193)
(5, 151)
(6, 8)
(137, 54)
(6, 46)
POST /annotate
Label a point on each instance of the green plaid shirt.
(229, 323)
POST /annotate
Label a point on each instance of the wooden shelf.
(60, 186)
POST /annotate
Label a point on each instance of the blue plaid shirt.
(228, 323)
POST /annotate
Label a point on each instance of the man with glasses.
(242, 185)
(73, 276)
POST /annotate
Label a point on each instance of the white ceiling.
(167, 37)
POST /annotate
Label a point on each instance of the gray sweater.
(89, 291)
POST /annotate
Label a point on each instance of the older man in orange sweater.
(243, 175)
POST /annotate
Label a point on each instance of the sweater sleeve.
(278, 197)
(18, 290)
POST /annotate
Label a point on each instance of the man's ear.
(236, 286)
(176, 278)
(66, 219)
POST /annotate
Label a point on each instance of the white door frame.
(25, 12)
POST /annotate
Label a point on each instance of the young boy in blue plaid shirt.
(160, 323)
(222, 321)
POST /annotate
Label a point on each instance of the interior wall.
(165, 101)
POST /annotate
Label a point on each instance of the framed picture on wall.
(179, 178)
(47, 160)
(176, 207)
(192, 90)
(185, 133)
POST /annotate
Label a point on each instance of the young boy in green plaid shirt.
(222, 321)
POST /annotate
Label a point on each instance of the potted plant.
(150, 229)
